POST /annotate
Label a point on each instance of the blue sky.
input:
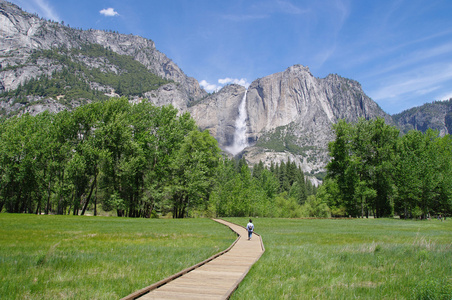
(400, 51)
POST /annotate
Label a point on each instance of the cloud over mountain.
(212, 87)
(109, 12)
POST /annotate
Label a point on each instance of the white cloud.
(414, 59)
(427, 90)
(209, 87)
(109, 12)
(417, 81)
(446, 96)
(241, 81)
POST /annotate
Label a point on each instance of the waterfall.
(240, 139)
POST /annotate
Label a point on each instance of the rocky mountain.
(23, 34)
(45, 65)
(218, 113)
(436, 115)
(289, 115)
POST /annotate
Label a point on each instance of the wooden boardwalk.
(215, 278)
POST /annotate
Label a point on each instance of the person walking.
(250, 228)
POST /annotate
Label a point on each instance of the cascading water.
(240, 139)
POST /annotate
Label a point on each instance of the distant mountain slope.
(34, 48)
(45, 65)
(436, 115)
(289, 115)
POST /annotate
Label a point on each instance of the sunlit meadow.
(74, 257)
(351, 259)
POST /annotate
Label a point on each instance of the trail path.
(215, 279)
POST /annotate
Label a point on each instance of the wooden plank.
(157, 294)
(216, 278)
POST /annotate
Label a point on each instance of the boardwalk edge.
(158, 284)
(237, 283)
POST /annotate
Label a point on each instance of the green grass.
(74, 257)
(351, 259)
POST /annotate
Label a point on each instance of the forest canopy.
(139, 160)
(375, 171)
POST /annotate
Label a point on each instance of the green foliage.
(329, 193)
(193, 171)
(423, 170)
(350, 259)
(316, 207)
(374, 171)
(65, 84)
(132, 158)
(281, 140)
(287, 207)
(73, 79)
(278, 191)
(55, 257)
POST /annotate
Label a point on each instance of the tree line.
(280, 190)
(124, 156)
(138, 160)
(375, 171)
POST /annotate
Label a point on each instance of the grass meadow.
(75, 257)
(350, 259)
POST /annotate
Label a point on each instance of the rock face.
(21, 33)
(288, 115)
(436, 115)
(218, 113)
(295, 95)
(169, 94)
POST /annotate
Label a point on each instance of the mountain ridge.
(436, 115)
(24, 32)
(289, 113)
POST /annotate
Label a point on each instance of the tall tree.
(362, 164)
(338, 167)
(193, 172)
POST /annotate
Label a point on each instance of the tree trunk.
(75, 212)
(89, 196)
(362, 207)
(22, 203)
(180, 210)
(95, 203)
(72, 202)
(48, 196)
(60, 208)
(38, 206)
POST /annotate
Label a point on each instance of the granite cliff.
(287, 115)
(436, 115)
(22, 34)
